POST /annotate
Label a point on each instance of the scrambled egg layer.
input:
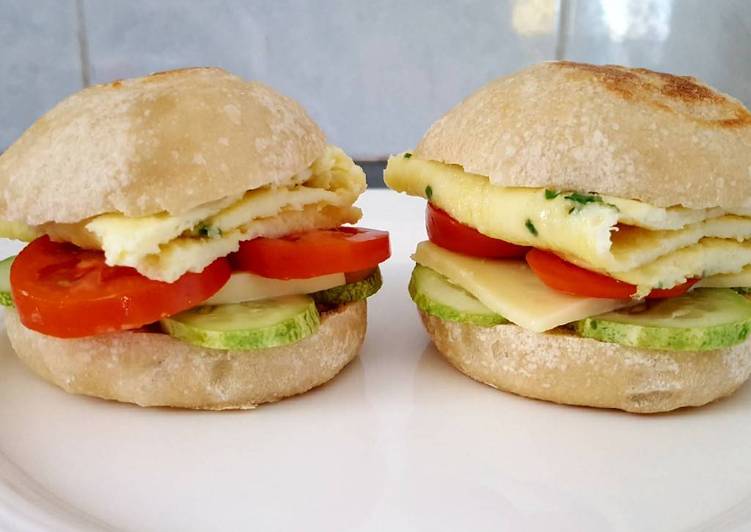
(651, 247)
(164, 247)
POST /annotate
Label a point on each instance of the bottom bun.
(565, 368)
(152, 369)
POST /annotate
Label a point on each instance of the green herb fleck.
(551, 194)
(530, 227)
(583, 199)
(429, 192)
(743, 290)
(407, 155)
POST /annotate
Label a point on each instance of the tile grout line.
(83, 44)
(564, 9)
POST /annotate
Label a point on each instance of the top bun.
(626, 132)
(166, 142)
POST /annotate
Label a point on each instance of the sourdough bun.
(152, 369)
(632, 133)
(564, 368)
(166, 142)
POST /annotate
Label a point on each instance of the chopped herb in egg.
(530, 227)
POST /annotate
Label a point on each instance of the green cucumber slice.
(704, 319)
(5, 298)
(434, 294)
(249, 325)
(350, 292)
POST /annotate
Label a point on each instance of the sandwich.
(589, 236)
(188, 245)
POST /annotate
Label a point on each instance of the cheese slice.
(511, 289)
(245, 286)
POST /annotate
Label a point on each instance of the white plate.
(399, 441)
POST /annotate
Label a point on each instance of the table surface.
(398, 441)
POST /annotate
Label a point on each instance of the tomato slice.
(678, 290)
(447, 232)
(565, 277)
(65, 291)
(314, 253)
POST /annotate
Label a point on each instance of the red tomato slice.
(445, 231)
(679, 290)
(571, 279)
(314, 253)
(65, 291)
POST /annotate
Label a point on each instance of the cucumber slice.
(350, 292)
(434, 294)
(249, 325)
(5, 298)
(704, 319)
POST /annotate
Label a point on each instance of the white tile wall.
(709, 39)
(373, 74)
(39, 61)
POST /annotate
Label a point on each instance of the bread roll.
(168, 142)
(626, 132)
(564, 368)
(152, 369)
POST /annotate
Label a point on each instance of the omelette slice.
(629, 240)
(163, 247)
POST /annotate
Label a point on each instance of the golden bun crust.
(625, 132)
(564, 368)
(151, 369)
(165, 142)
